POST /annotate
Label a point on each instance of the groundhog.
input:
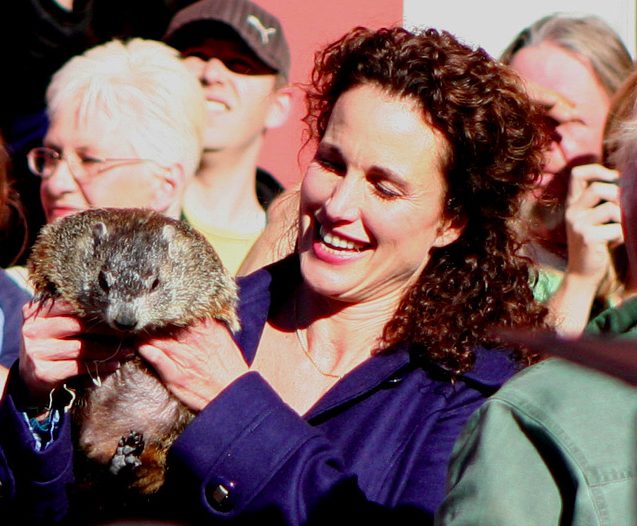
(137, 272)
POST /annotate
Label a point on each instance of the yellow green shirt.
(232, 247)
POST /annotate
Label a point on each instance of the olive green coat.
(556, 445)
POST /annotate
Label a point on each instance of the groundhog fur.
(137, 272)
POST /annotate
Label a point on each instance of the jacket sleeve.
(500, 472)
(249, 456)
(32, 483)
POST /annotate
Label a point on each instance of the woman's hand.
(592, 225)
(196, 363)
(53, 349)
(592, 220)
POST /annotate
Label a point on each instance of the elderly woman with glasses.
(126, 124)
(126, 128)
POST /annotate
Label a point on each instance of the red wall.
(309, 25)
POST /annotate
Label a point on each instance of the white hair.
(144, 84)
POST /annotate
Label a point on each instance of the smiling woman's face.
(372, 199)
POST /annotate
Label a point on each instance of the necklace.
(306, 351)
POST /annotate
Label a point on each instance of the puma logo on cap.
(264, 32)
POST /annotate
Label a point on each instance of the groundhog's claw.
(129, 449)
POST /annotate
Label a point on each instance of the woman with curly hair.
(362, 354)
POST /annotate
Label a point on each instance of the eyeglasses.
(44, 161)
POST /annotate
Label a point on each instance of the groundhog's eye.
(154, 284)
(103, 281)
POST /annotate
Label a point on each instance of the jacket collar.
(257, 292)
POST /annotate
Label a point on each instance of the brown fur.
(138, 272)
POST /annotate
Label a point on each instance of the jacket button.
(395, 379)
(221, 496)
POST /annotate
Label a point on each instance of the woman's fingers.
(196, 363)
(592, 175)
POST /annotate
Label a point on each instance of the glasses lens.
(42, 161)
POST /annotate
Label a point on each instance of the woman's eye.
(330, 164)
(90, 161)
(384, 190)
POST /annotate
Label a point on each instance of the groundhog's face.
(130, 286)
(132, 269)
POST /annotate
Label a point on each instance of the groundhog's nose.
(125, 323)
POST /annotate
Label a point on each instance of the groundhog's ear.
(100, 233)
(168, 235)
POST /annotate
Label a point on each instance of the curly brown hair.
(496, 138)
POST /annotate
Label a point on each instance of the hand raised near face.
(592, 219)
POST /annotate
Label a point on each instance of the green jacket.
(557, 444)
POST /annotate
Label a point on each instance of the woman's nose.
(345, 200)
(61, 179)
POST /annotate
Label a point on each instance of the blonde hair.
(144, 84)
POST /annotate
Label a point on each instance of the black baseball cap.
(260, 30)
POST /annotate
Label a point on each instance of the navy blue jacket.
(376, 445)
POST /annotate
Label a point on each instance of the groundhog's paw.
(129, 449)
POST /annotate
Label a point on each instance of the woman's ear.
(449, 231)
(171, 184)
(280, 108)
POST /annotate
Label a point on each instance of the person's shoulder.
(567, 412)
(569, 400)
(553, 379)
(552, 422)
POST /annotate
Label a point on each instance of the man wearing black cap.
(240, 55)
